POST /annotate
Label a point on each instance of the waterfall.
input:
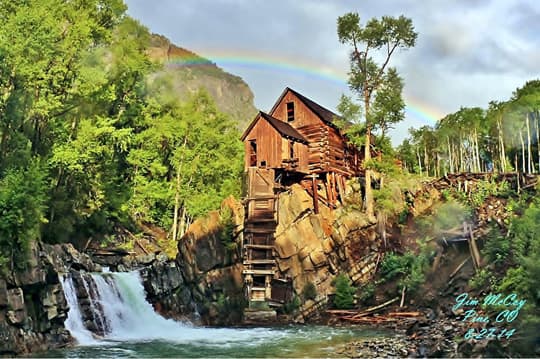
(113, 307)
(74, 322)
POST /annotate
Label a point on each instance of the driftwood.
(475, 254)
(369, 320)
(341, 311)
(455, 271)
(374, 309)
(402, 297)
(140, 246)
(405, 314)
(110, 252)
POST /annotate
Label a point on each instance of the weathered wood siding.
(269, 143)
(303, 116)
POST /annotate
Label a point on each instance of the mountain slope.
(190, 72)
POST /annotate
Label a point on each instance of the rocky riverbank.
(421, 338)
(33, 306)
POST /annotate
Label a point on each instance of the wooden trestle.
(260, 271)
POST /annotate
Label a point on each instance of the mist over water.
(133, 329)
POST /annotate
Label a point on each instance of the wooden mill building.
(296, 142)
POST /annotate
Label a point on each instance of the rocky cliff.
(33, 307)
(311, 248)
(190, 72)
(314, 248)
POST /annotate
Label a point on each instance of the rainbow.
(415, 107)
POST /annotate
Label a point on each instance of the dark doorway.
(253, 153)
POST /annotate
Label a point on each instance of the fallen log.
(374, 309)
(341, 311)
(405, 314)
(369, 320)
(458, 268)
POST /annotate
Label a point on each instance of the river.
(133, 329)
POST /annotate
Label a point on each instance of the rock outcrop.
(310, 248)
(190, 72)
(33, 307)
(209, 255)
(314, 248)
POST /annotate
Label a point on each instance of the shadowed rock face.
(211, 269)
(33, 307)
(311, 248)
(190, 72)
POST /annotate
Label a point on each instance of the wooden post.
(474, 247)
(402, 297)
(315, 194)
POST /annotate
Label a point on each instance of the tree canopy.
(90, 140)
(377, 85)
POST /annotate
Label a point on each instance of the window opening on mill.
(290, 111)
(252, 153)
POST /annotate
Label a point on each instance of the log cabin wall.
(272, 143)
(328, 149)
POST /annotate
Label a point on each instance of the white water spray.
(127, 316)
(74, 322)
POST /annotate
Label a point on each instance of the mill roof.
(323, 113)
(283, 128)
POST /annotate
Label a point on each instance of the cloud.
(468, 51)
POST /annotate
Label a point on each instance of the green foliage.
(482, 279)
(408, 268)
(191, 149)
(497, 248)
(81, 96)
(344, 298)
(513, 266)
(309, 292)
(485, 189)
(523, 243)
(226, 229)
(22, 205)
(380, 87)
(367, 293)
(292, 306)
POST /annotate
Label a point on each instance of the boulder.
(15, 299)
(318, 258)
(16, 318)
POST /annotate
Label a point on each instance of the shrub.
(367, 293)
(409, 268)
(292, 306)
(309, 292)
(496, 247)
(344, 298)
(22, 198)
(226, 231)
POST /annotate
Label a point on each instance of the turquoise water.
(284, 342)
(132, 329)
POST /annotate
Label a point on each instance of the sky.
(468, 52)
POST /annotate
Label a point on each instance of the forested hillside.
(503, 137)
(90, 139)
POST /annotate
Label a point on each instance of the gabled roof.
(283, 128)
(323, 113)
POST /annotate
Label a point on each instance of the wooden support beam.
(315, 195)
